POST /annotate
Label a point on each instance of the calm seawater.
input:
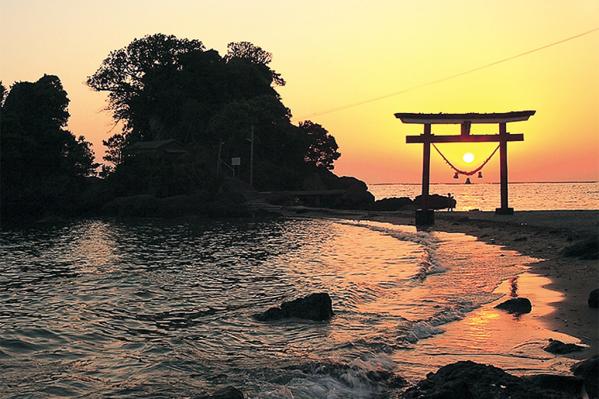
(522, 196)
(102, 308)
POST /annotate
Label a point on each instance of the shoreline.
(538, 234)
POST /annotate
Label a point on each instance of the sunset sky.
(335, 53)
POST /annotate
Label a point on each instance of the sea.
(164, 308)
(522, 196)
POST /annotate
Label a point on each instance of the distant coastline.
(515, 182)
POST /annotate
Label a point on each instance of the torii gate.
(425, 216)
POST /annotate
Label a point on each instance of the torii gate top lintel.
(471, 117)
(425, 216)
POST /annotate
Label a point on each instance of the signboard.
(236, 161)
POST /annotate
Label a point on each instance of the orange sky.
(338, 52)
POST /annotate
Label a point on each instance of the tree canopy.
(162, 87)
(38, 155)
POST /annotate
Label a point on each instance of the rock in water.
(469, 380)
(516, 306)
(317, 307)
(559, 348)
(392, 204)
(588, 370)
(594, 298)
(436, 201)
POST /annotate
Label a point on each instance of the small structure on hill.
(158, 149)
(424, 215)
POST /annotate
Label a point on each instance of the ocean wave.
(413, 331)
(370, 377)
(429, 263)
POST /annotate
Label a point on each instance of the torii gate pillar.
(424, 215)
(503, 185)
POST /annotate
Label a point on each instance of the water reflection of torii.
(425, 216)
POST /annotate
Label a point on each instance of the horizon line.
(516, 182)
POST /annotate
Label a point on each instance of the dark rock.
(436, 201)
(564, 383)
(224, 393)
(352, 183)
(317, 307)
(469, 380)
(588, 370)
(593, 300)
(314, 182)
(559, 348)
(516, 306)
(355, 198)
(143, 205)
(520, 239)
(392, 204)
(227, 204)
(583, 249)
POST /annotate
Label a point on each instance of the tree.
(123, 73)
(114, 149)
(203, 99)
(321, 147)
(248, 52)
(40, 160)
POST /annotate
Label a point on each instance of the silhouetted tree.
(39, 158)
(321, 147)
(178, 90)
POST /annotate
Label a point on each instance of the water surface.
(164, 309)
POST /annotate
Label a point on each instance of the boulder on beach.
(436, 201)
(593, 300)
(588, 370)
(392, 204)
(471, 380)
(317, 307)
(560, 348)
(516, 306)
(568, 384)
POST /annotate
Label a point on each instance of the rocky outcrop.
(593, 300)
(469, 380)
(566, 384)
(583, 249)
(317, 307)
(588, 370)
(224, 393)
(516, 306)
(559, 348)
(436, 201)
(224, 204)
(392, 204)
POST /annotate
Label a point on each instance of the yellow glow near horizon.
(341, 52)
(468, 157)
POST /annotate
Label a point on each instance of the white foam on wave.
(429, 263)
(369, 377)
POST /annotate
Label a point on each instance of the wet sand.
(540, 234)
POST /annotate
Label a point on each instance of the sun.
(468, 157)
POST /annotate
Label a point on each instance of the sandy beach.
(539, 234)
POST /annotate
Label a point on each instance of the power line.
(443, 79)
